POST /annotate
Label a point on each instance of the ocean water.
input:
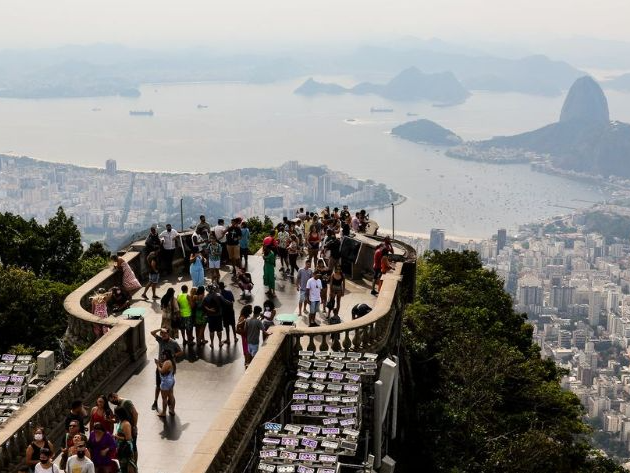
(265, 125)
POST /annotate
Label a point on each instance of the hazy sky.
(206, 22)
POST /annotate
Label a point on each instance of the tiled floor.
(205, 378)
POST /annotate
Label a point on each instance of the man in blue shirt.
(244, 241)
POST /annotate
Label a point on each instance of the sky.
(40, 23)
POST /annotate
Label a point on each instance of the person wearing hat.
(165, 342)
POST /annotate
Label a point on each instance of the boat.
(201, 106)
(411, 114)
(381, 110)
(96, 109)
(146, 113)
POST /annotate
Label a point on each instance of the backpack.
(360, 310)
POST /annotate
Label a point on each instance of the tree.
(22, 242)
(39, 264)
(96, 249)
(63, 247)
(258, 229)
(477, 396)
(31, 309)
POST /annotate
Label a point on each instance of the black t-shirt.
(233, 235)
(70, 417)
(212, 301)
(334, 245)
(345, 228)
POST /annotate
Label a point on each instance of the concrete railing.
(101, 368)
(261, 394)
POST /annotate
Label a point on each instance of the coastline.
(426, 236)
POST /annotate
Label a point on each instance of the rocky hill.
(584, 139)
(408, 86)
(426, 131)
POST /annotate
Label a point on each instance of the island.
(428, 132)
(409, 85)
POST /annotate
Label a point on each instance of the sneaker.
(154, 406)
(145, 297)
(313, 324)
(374, 293)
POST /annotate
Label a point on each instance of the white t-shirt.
(53, 468)
(314, 287)
(219, 232)
(76, 465)
(169, 239)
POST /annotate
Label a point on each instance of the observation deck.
(219, 403)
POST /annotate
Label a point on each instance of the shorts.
(186, 323)
(252, 348)
(314, 307)
(336, 291)
(158, 378)
(229, 320)
(267, 324)
(215, 323)
(167, 384)
(282, 252)
(302, 295)
(244, 252)
(154, 278)
(376, 274)
(214, 264)
(234, 251)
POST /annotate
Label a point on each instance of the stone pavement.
(206, 376)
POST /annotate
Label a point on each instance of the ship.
(381, 110)
(412, 114)
(201, 106)
(147, 113)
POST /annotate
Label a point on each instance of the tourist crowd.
(101, 440)
(308, 251)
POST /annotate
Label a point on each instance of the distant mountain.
(426, 131)
(584, 139)
(409, 85)
(621, 82)
(532, 74)
(313, 87)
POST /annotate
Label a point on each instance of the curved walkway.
(203, 384)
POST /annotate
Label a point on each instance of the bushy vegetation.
(258, 229)
(608, 225)
(41, 265)
(477, 396)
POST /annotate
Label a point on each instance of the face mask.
(38, 437)
(80, 453)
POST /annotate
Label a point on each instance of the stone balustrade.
(262, 393)
(101, 368)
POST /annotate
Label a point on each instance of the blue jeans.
(252, 348)
(314, 307)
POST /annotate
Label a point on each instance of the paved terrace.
(206, 377)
